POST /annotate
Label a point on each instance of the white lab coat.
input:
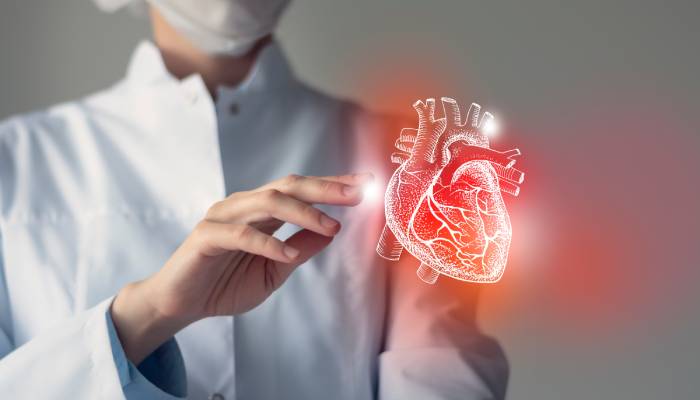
(97, 193)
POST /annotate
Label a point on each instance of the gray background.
(600, 299)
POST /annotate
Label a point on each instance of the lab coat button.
(217, 396)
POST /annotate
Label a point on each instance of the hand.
(231, 263)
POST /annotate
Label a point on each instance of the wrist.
(140, 326)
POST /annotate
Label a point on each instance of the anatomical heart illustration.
(443, 203)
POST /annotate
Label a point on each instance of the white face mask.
(223, 27)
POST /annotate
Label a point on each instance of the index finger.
(315, 190)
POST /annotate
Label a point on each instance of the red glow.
(597, 248)
(592, 253)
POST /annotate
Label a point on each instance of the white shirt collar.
(270, 71)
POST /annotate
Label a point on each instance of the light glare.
(370, 191)
(490, 127)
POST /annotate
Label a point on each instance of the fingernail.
(351, 190)
(364, 176)
(328, 222)
(290, 252)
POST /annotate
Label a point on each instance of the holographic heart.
(443, 203)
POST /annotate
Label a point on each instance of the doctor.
(144, 229)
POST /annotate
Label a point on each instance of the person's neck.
(182, 59)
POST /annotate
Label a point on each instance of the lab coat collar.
(271, 70)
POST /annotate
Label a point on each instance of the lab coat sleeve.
(82, 358)
(434, 349)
